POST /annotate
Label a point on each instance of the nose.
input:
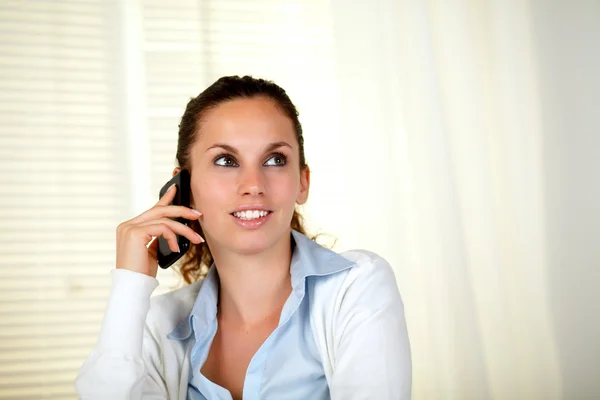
(251, 182)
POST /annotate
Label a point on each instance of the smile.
(249, 215)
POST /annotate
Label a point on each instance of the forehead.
(246, 120)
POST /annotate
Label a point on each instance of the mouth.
(250, 215)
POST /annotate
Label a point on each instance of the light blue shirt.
(341, 335)
(288, 364)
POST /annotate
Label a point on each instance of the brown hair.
(198, 259)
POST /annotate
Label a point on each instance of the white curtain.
(460, 120)
(456, 139)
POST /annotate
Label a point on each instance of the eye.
(225, 161)
(277, 160)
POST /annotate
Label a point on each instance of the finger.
(174, 212)
(178, 228)
(153, 248)
(161, 230)
(168, 197)
(167, 211)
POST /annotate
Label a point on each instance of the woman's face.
(246, 176)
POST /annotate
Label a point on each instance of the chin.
(252, 241)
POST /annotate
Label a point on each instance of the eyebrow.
(233, 150)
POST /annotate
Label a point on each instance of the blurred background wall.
(458, 139)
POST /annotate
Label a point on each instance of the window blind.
(61, 193)
(65, 162)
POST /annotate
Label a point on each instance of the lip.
(258, 207)
(252, 224)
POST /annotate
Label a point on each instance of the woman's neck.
(253, 287)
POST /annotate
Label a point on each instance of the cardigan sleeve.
(370, 336)
(123, 365)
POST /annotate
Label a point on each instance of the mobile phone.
(165, 256)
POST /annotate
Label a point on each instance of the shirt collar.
(308, 259)
(312, 259)
(204, 309)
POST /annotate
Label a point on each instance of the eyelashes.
(225, 160)
(228, 161)
(278, 160)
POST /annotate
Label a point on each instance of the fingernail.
(200, 237)
(171, 187)
(178, 249)
(196, 211)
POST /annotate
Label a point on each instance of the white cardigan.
(357, 319)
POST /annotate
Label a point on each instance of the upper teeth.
(250, 214)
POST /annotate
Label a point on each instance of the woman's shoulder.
(368, 266)
(365, 258)
(369, 281)
(365, 291)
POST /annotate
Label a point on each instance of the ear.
(304, 186)
(176, 171)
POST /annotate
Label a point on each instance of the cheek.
(284, 187)
(210, 192)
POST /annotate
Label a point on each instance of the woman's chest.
(283, 363)
(230, 354)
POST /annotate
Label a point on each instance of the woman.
(277, 316)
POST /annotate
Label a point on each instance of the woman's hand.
(133, 236)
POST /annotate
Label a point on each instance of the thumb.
(153, 248)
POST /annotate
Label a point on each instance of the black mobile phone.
(165, 256)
